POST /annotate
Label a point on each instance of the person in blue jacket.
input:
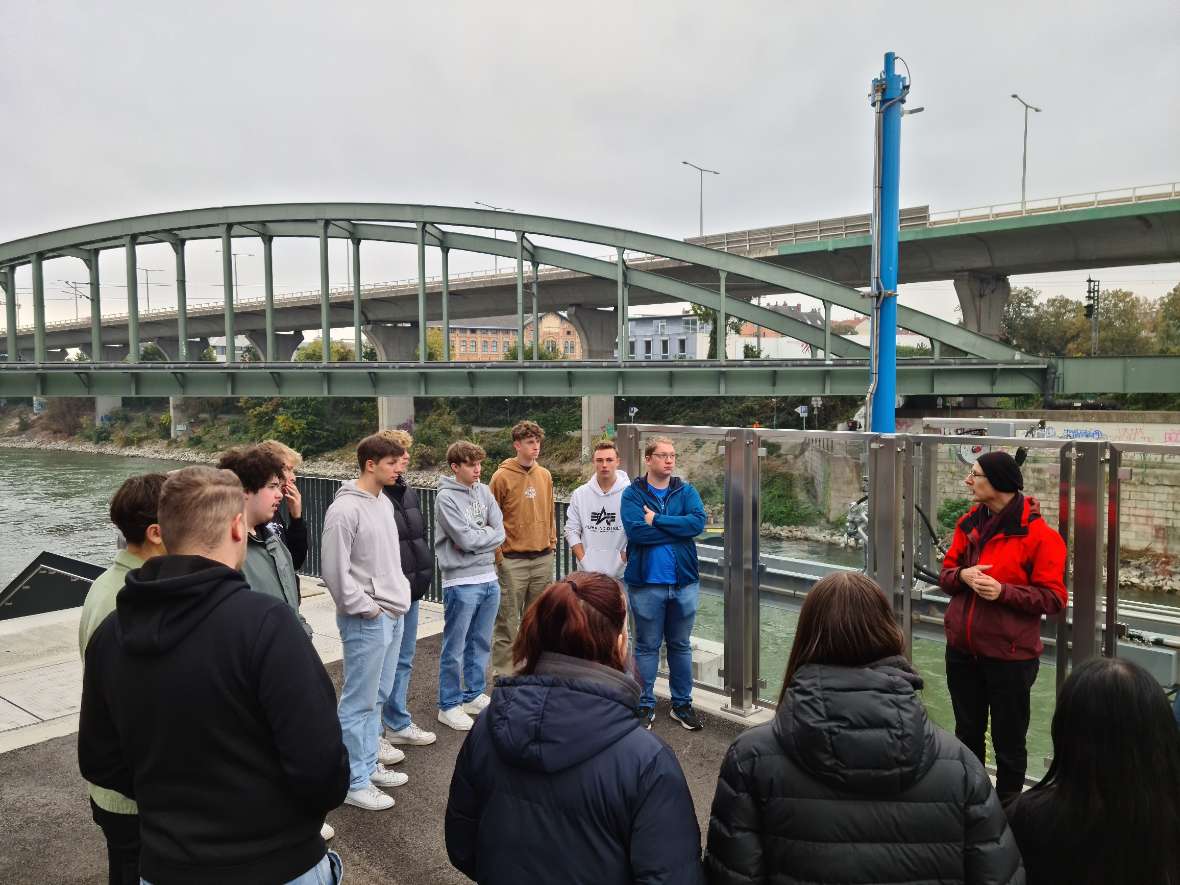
(662, 516)
(557, 781)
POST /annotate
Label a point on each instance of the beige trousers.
(521, 582)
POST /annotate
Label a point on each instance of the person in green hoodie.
(133, 511)
(269, 567)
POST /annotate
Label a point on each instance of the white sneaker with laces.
(455, 718)
(326, 831)
(369, 798)
(476, 705)
(388, 754)
(413, 736)
(383, 777)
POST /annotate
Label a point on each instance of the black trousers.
(980, 685)
(122, 834)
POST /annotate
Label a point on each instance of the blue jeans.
(469, 614)
(371, 648)
(394, 714)
(664, 613)
(329, 871)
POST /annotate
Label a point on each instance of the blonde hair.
(286, 454)
(650, 448)
(400, 437)
(196, 506)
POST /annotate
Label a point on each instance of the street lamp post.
(1024, 158)
(235, 257)
(495, 231)
(701, 202)
(147, 286)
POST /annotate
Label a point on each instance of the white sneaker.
(476, 705)
(388, 754)
(369, 798)
(455, 718)
(412, 735)
(383, 777)
(326, 831)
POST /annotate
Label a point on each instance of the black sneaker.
(687, 717)
(646, 715)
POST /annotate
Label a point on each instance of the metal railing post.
(741, 570)
(1064, 508)
(927, 499)
(883, 565)
(1087, 549)
(904, 604)
(1110, 646)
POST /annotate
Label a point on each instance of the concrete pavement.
(46, 834)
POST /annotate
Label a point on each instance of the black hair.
(254, 466)
(134, 506)
(1110, 802)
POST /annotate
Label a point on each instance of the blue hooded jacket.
(679, 519)
(557, 782)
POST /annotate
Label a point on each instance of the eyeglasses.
(975, 475)
(662, 457)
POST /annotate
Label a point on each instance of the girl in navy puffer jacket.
(558, 781)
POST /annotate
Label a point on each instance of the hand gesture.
(294, 500)
(980, 582)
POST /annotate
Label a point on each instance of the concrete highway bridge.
(977, 249)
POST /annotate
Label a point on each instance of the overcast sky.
(581, 111)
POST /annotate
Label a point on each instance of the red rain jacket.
(1027, 557)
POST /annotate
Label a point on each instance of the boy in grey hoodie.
(361, 563)
(468, 527)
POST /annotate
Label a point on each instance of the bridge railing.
(1040, 206)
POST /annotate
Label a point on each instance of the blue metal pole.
(888, 95)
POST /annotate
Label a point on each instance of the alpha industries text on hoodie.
(593, 520)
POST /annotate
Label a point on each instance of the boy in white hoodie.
(361, 563)
(593, 528)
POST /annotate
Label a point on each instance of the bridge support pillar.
(286, 343)
(598, 330)
(104, 405)
(983, 298)
(394, 344)
(171, 349)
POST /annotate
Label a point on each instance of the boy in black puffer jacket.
(418, 567)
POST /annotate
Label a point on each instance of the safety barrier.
(894, 499)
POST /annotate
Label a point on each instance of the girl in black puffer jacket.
(851, 782)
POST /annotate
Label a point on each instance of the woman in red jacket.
(1005, 570)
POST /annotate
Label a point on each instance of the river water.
(58, 501)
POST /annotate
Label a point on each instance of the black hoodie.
(852, 783)
(207, 703)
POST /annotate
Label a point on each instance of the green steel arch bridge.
(551, 272)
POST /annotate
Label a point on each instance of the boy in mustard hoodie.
(524, 562)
